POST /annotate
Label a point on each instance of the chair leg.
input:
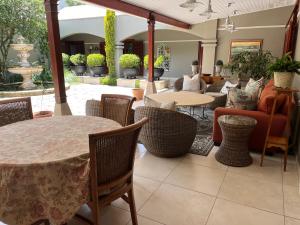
(285, 159)
(95, 212)
(132, 207)
(263, 155)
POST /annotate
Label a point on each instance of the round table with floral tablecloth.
(44, 167)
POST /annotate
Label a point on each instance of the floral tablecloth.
(44, 168)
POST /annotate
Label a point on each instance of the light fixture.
(191, 5)
(209, 11)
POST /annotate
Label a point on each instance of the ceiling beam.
(140, 11)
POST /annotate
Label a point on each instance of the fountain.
(25, 68)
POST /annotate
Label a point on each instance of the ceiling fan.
(191, 5)
(208, 13)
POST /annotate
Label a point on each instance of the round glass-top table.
(44, 167)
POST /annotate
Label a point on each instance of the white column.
(118, 53)
(209, 54)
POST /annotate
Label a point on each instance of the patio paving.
(77, 96)
(198, 190)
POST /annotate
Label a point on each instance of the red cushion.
(267, 98)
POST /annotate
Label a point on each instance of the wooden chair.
(15, 110)
(117, 108)
(112, 157)
(274, 141)
(42, 222)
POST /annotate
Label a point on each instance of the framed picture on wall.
(238, 46)
(166, 52)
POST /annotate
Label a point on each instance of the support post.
(151, 89)
(61, 106)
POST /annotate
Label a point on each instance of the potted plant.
(130, 64)
(158, 66)
(195, 67)
(79, 62)
(138, 92)
(219, 67)
(96, 64)
(66, 60)
(284, 70)
(43, 80)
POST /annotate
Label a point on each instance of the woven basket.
(283, 79)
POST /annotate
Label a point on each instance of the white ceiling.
(171, 8)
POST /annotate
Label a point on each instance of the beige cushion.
(151, 103)
(191, 84)
(227, 86)
(254, 87)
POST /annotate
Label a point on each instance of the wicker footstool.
(236, 132)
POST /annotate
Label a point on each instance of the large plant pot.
(218, 70)
(130, 73)
(195, 69)
(158, 72)
(97, 71)
(138, 93)
(42, 114)
(283, 79)
(79, 70)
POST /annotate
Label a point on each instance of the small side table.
(236, 132)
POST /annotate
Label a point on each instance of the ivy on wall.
(109, 28)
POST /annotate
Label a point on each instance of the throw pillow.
(240, 99)
(191, 84)
(227, 86)
(253, 88)
(152, 103)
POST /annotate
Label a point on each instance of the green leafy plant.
(285, 64)
(95, 60)
(108, 80)
(159, 61)
(65, 59)
(26, 18)
(146, 61)
(252, 64)
(137, 84)
(129, 61)
(219, 63)
(78, 59)
(70, 77)
(73, 2)
(109, 28)
(44, 79)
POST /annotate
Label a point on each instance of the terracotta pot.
(283, 79)
(42, 114)
(138, 93)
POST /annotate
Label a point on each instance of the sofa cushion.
(227, 86)
(253, 88)
(152, 103)
(191, 84)
(240, 99)
(267, 98)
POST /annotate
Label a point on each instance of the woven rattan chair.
(179, 83)
(112, 157)
(214, 91)
(117, 108)
(15, 110)
(168, 133)
(93, 108)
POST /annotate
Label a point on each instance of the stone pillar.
(209, 54)
(119, 52)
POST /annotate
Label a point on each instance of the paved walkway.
(77, 97)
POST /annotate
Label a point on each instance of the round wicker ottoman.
(236, 131)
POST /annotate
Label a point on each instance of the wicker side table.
(236, 132)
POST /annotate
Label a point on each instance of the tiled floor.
(197, 190)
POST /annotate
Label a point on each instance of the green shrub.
(65, 59)
(95, 60)
(109, 28)
(159, 61)
(70, 77)
(146, 61)
(78, 59)
(10, 78)
(137, 84)
(108, 80)
(285, 64)
(44, 79)
(129, 61)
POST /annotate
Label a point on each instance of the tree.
(19, 17)
(109, 28)
(73, 2)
